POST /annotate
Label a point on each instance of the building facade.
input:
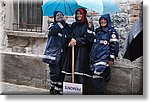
(24, 38)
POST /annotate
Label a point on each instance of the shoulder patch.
(113, 36)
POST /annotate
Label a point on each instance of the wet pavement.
(13, 89)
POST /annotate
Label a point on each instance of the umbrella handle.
(72, 64)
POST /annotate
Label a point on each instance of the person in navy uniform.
(104, 51)
(55, 51)
(82, 39)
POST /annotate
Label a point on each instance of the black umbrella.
(134, 41)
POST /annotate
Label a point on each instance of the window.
(30, 16)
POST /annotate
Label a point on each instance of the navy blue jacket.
(57, 43)
(105, 47)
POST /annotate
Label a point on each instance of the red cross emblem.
(113, 36)
(105, 42)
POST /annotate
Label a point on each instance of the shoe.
(59, 92)
(52, 91)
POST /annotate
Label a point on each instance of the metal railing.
(27, 27)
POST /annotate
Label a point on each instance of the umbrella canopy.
(67, 7)
(134, 41)
(100, 6)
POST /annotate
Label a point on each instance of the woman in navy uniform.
(55, 51)
(104, 50)
(82, 39)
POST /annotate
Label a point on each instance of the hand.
(65, 18)
(90, 23)
(72, 42)
(110, 63)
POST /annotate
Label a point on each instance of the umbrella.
(67, 7)
(100, 6)
(134, 41)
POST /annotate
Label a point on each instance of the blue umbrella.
(67, 7)
(100, 6)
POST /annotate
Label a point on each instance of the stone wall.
(126, 79)
(22, 67)
(2, 21)
(25, 42)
